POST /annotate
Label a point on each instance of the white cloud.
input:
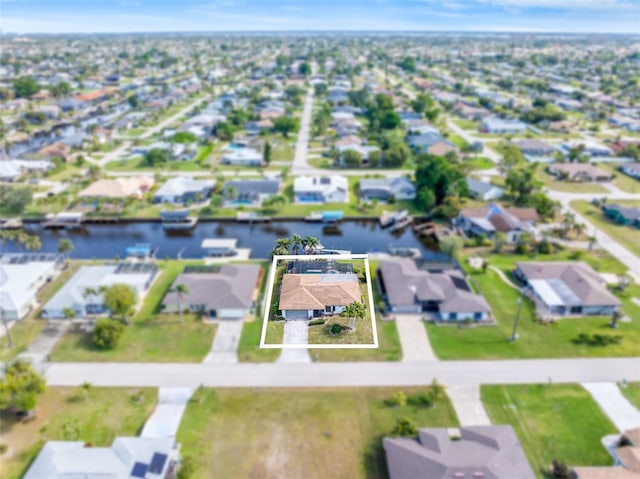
(609, 5)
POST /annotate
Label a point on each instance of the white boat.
(389, 218)
(177, 220)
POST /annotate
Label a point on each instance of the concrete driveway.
(165, 419)
(295, 332)
(225, 343)
(413, 338)
(468, 405)
(44, 343)
(621, 412)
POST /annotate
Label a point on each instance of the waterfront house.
(484, 190)
(579, 172)
(55, 150)
(386, 189)
(498, 125)
(624, 215)
(321, 189)
(223, 292)
(474, 452)
(443, 292)
(566, 288)
(249, 192)
(183, 189)
(118, 188)
(491, 219)
(91, 279)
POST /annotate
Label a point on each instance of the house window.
(328, 309)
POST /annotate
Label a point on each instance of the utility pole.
(6, 328)
(514, 335)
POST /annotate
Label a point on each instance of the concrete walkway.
(504, 277)
(225, 343)
(166, 417)
(621, 412)
(468, 405)
(413, 338)
(41, 347)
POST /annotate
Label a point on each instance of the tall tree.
(120, 299)
(20, 386)
(181, 290)
(65, 247)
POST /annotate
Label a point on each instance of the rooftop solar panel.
(157, 463)
(139, 470)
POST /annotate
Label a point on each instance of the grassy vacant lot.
(552, 183)
(65, 414)
(231, 433)
(632, 393)
(552, 422)
(151, 337)
(559, 339)
(625, 235)
(622, 181)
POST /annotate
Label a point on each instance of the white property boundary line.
(270, 287)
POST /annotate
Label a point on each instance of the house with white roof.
(82, 292)
(126, 458)
(183, 189)
(21, 277)
(502, 125)
(242, 157)
(321, 189)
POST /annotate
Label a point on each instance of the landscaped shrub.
(315, 322)
(107, 333)
(336, 329)
(597, 339)
(404, 427)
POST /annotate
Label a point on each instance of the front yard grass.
(559, 339)
(151, 336)
(622, 181)
(139, 164)
(632, 393)
(311, 433)
(552, 183)
(625, 235)
(65, 414)
(552, 422)
(249, 349)
(478, 163)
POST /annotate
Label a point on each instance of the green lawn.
(536, 340)
(479, 163)
(466, 124)
(337, 433)
(139, 164)
(457, 140)
(632, 393)
(65, 414)
(151, 336)
(570, 186)
(622, 181)
(558, 422)
(249, 347)
(625, 235)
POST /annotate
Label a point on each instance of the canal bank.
(106, 241)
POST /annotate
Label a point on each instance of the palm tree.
(33, 243)
(65, 246)
(354, 311)
(310, 243)
(282, 246)
(181, 290)
(86, 388)
(296, 243)
(579, 228)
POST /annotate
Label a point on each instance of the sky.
(98, 16)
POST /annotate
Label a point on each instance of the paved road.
(344, 374)
(163, 124)
(621, 412)
(300, 165)
(413, 338)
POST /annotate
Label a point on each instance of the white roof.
(219, 243)
(183, 184)
(16, 281)
(243, 154)
(8, 169)
(320, 183)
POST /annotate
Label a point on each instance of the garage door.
(297, 315)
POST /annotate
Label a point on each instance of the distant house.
(127, 457)
(477, 452)
(626, 454)
(441, 148)
(74, 293)
(502, 125)
(444, 292)
(566, 288)
(624, 215)
(579, 172)
(227, 292)
(491, 219)
(9, 171)
(55, 150)
(21, 276)
(183, 189)
(386, 189)
(249, 192)
(363, 150)
(590, 148)
(484, 190)
(242, 157)
(118, 188)
(305, 296)
(631, 169)
(535, 148)
(321, 189)
(422, 142)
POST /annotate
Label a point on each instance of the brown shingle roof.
(315, 291)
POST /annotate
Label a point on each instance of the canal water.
(109, 241)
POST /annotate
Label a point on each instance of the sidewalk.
(621, 412)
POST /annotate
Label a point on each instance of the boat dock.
(426, 229)
(389, 218)
(177, 220)
(11, 224)
(65, 220)
(251, 217)
(401, 223)
(329, 217)
(218, 250)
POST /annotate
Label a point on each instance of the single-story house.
(321, 189)
(484, 190)
(631, 169)
(228, 293)
(305, 296)
(491, 219)
(590, 148)
(502, 125)
(21, 276)
(535, 148)
(118, 188)
(624, 215)
(242, 157)
(55, 150)
(363, 150)
(566, 288)
(423, 141)
(627, 460)
(9, 171)
(441, 148)
(249, 192)
(387, 188)
(127, 457)
(78, 292)
(409, 289)
(579, 172)
(183, 189)
(491, 452)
